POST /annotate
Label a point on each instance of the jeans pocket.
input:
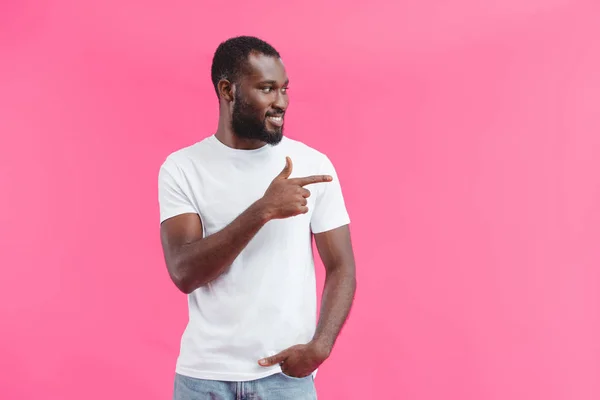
(295, 378)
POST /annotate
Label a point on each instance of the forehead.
(264, 68)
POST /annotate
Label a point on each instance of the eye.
(284, 90)
(266, 89)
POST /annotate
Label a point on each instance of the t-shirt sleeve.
(330, 209)
(172, 198)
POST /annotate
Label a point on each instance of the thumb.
(273, 360)
(287, 170)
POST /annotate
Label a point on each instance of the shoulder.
(184, 157)
(316, 160)
(309, 154)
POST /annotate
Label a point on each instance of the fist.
(287, 197)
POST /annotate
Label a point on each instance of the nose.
(281, 101)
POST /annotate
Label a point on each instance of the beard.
(247, 124)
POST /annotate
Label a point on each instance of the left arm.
(335, 250)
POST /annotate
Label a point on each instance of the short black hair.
(232, 55)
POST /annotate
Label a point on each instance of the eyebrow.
(271, 82)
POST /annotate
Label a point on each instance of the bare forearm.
(338, 295)
(204, 260)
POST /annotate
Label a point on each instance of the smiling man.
(238, 212)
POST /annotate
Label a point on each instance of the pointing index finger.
(312, 179)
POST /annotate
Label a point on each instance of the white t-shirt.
(266, 301)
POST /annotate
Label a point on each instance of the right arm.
(193, 260)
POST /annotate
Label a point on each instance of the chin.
(275, 138)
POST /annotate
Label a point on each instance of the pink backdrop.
(467, 140)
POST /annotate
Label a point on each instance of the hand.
(298, 361)
(287, 197)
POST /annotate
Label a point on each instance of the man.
(238, 211)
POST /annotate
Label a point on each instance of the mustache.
(275, 113)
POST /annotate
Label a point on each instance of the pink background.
(466, 135)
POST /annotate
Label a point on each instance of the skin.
(193, 261)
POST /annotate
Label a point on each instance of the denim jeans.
(273, 387)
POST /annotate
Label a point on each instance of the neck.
(227, 136)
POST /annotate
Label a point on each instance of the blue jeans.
(273, 387)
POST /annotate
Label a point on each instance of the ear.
(226, 90)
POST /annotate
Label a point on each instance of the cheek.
(261, 103)
(258, 105)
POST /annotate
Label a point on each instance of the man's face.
(261, 100)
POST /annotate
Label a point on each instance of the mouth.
(276, 120)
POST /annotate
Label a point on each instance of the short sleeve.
(172, 198)
(330, 209)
